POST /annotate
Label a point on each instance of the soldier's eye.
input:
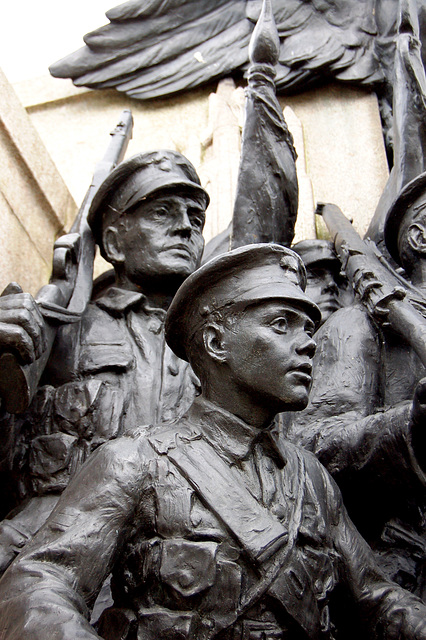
(280, 325)
(197, 219)
(310, 329)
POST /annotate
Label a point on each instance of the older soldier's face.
(163, 237)
(270, 350)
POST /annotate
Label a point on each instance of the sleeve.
(387, 611)
(46, 592)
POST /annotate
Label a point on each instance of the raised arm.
(345, 424)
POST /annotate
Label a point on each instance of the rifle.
(379, 287)
(64, 299)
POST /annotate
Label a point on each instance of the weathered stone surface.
(345, 154)
(35, 204)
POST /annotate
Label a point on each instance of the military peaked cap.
(133, 180)
(244, 276)
(317, 252)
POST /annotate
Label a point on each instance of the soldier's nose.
(307, 346)
(182, 222)
(330, 287)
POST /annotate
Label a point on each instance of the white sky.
(36, 33)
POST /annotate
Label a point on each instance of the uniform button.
(278, 510)
(173, 369)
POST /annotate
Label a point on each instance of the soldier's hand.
(22, 327)
(418, 419)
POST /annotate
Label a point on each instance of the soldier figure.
(210, 529)
(326, 285)
(360, 421)
(112, 370)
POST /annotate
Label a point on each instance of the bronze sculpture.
(157, 49)
(170, 576)
(112, 370)
(325, 285)
(371, 356)
(211, 530)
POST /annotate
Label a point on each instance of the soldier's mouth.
(329, 304)
(180, 247)
(303, 372)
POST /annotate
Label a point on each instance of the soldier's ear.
(214, 342)
(416, 237)
(112, 245)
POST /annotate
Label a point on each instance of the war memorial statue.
(210, 525)
(112, 370)
(210, 529)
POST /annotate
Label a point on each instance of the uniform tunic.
(109, 372)
(191, 517)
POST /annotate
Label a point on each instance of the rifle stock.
(381, 291)
(65, 298)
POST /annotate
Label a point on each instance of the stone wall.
(35, 204)
(336, 129)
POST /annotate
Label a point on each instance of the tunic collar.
(118, 302)
(231, 437)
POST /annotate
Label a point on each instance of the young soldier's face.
(163, 237)
(270, 350)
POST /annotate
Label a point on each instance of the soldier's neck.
(240, 406)
(158, 296)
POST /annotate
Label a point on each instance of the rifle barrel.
(402, 316)
(69, 289)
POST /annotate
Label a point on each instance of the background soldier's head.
(405, 225)
(323, 271)
(148, 217)
(245, 324)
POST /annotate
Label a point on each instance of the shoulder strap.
(258, 532)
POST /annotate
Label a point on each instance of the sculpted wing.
(324, 39)
(153, 48)
(158, 47)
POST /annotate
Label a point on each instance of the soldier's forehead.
(171, 196)
(275, 305)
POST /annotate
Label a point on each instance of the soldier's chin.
(298, 401)
(174, 276)
(298, 405)
(181, 264)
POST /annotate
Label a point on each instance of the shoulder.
(313, 476)
(129, 447)
(121, 460)
(297, 457)
(348, 324)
